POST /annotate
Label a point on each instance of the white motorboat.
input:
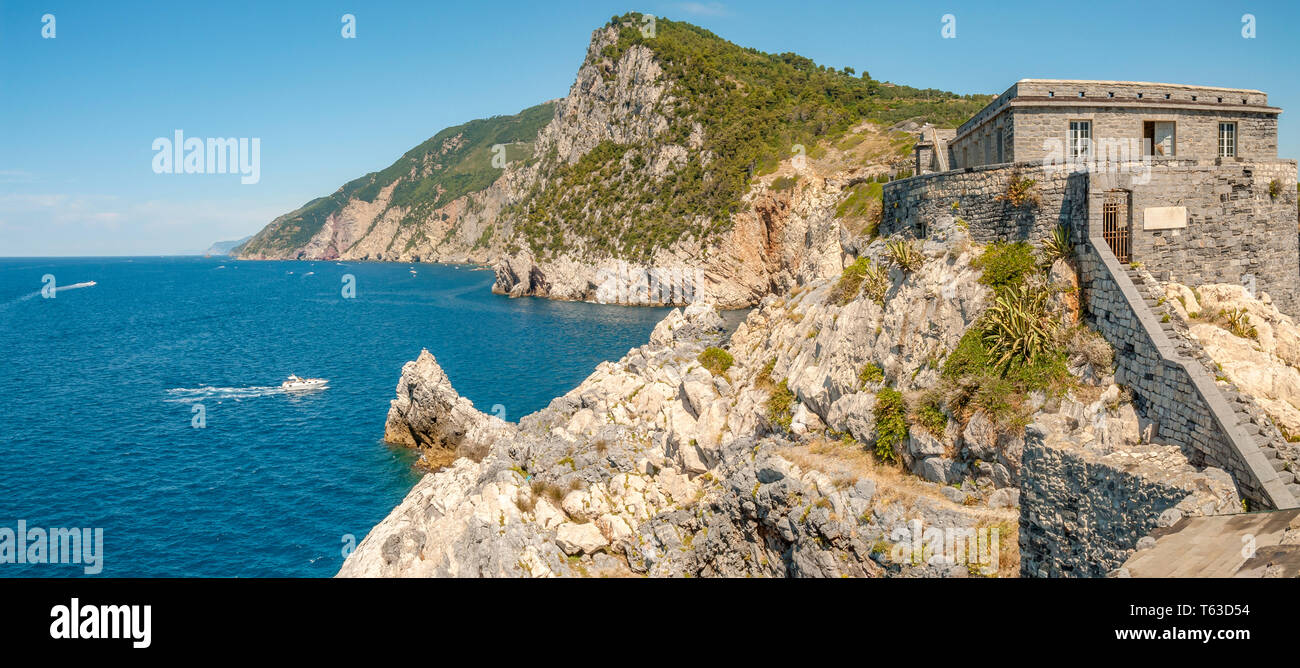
(294, 383)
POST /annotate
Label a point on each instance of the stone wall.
(1081, 514)
(910, 204)
(1236, 231)
(1169, 389)
(1234, 227)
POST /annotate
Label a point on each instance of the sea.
(148, 406)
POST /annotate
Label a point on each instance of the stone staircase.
(1251, 419)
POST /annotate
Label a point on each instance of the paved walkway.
(1217, 547)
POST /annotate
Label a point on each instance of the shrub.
(863, 198)
(891, 423)
(784, 182)
(1274, 188)
(1089, 346)
(779, 405)
(904, 255)
(846, 289)
(875, 283)
(870, 374)
(1017, 327)
(1020, 191)
(929, 414)
(764, 379)
(1005, 264)
(716, 360)
(1058, 246)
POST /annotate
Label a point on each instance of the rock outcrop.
(770, 465)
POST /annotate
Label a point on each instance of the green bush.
(891, 423)
(929, 414)
(784, 182)
(1005, 264)
(1017, 327)
(846, 289)
(1058, 246)
(779, 405)
(716, 360)
(870, 374)
(863, 197)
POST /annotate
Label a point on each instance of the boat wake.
(34, 295)
(185, 395)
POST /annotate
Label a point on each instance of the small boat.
(294, 384)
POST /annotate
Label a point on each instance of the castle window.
(1139, 96)
(1110, 95)
(1080, 93)
(1080, 139)
(1220, 100)
(1227, 140)
(1193, 98)
(1158, 138)
(1166, 96)
(1051, 93)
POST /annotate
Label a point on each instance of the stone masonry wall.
(1196, 132)
(909, 204)
(1236, 233)
(1169, 389)
(1081, 516)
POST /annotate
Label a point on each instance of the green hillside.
(754, 107)
(454, 162)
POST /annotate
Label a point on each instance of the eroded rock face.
(429, 415)
(674, 471)
(1265, 365)
(654, 465)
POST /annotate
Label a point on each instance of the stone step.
(1294, 488)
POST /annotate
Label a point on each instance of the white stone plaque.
(1164, 217)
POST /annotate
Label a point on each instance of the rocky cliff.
(678, 167)
(833, 430)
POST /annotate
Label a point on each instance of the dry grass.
(549, 490)
(847, 463)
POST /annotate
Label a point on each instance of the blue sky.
(78, 113)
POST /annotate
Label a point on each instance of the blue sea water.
(98, 385)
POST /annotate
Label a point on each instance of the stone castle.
(1183, 179)
(1152, 182)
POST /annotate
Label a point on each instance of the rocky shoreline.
(662, 464)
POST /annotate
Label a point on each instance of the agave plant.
(904, 255)
(875, 283)
(1058, 246)
(1017, 326)
(1239, 324)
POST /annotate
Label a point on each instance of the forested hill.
(656, 145)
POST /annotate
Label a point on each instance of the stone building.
(1151, 182)
(1038, 119)
(1184, 179)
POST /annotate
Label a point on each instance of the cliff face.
(677, 160)
(779, 462)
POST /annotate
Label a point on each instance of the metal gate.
(1116, 227)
